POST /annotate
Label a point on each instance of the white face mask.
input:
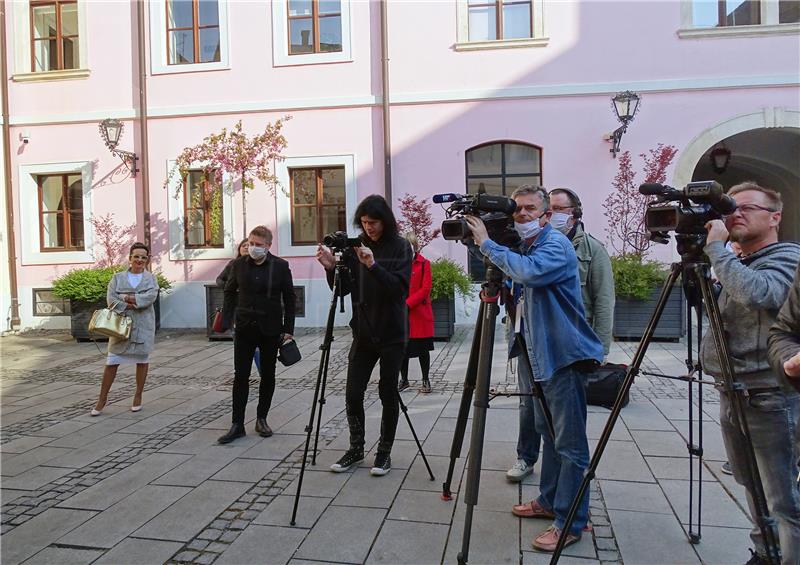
(257, 253)
(529, 229)
(560, 221)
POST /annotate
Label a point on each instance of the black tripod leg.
(323, 371)
(478, 422)
(537, 386)
(321, 402)
(466, 401)
(695, 449)
(633, 370)
(736, 391)
(404, 408)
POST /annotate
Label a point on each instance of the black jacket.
(380, 315)
(263, 294)
(222, 278)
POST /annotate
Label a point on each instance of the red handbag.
(216, 326)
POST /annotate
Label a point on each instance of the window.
(315, 26)
(300, 301)
(788, 12)
(192, 32)
(500, 168)
(203, 213)
(725, 13)
(45, 303)
(500, 19)
(54, 36)
(736, 18)
(60, 212)
(318, 203)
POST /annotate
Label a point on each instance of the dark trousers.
(424, 365)
(245, 342)
(363, 358)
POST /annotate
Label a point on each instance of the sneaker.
(383, 464)
(519, 471)
(755, 559)
(426, 386)
(350, 458)
(402, 385)
(726, 468)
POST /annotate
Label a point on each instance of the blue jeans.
(257, 359)
(528, 439)
(772, 418)
(565, 460)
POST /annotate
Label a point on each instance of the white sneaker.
(519, 471)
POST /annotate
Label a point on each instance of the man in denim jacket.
(560, 345)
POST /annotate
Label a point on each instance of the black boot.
(236, 431)
(262, 428)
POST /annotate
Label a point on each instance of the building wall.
(554, 93)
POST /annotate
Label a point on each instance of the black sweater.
(378, 295)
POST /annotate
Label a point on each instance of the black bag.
(288, 353)
(602, 385)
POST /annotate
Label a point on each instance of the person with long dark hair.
(377, 279)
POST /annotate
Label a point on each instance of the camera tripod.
(340, 270)
(694, 270)
(477, 380)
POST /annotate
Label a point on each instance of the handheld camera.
(495, 211)
(339, 241)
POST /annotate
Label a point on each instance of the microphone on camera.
(446, 197)
(654, 189)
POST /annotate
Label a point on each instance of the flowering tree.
(625, 206)
(416, 218)
(235, 154)
(112, 240)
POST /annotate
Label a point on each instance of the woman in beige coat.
(131, 293)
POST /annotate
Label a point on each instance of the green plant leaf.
(636, 278)
(90, 285)
(449, 278)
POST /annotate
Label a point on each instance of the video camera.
(338, 241)
(495, 211)
(687, 211)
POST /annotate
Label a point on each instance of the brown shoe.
(548, 540)
(532, 509)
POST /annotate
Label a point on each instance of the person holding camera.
(784, 337)
(260, 294)
(561, 346)
(753, 288)
(376, 276)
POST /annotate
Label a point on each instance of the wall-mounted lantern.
(111, 131)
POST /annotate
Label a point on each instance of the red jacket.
(420, 312)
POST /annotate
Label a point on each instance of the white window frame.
(284, 204)
(463, 42)
(22, 46)
(29, 214)
(159, 64)
(280, 39)
(769, 24)
(177, 243)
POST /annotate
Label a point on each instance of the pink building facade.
(497, 93)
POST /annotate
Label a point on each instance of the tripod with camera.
(340, 271)
(694, 272)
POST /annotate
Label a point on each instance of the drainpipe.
(143, 145)
(9, 193)
(387, 145)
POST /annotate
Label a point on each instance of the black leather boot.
(262, 428)
(236, 431)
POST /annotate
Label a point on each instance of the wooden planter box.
(215, 297)
(81, 314)
(444, 318)
(631, 316)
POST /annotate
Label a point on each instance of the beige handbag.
(109, 323)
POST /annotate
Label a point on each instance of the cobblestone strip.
(602, 533)
(209, 544)
(26, 507)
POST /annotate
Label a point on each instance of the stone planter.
(631, 316)
(444, 318)
(81, 314)
(215, 297)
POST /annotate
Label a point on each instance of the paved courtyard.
(155, 487)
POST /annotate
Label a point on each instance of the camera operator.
(561, 347)
(377, 279)
(784, 337)
(753, 288)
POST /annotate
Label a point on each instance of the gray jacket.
(144, 318)
(597, 284)
(753, 289)
(784, 336)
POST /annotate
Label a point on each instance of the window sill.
(738, 31)
(70, 74)
(164, 69)
(503, 44)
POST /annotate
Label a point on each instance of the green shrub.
(449, 278)
(636, 278)
(90, 285)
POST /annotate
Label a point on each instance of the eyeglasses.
(561, 208)
(141, 257)
(750, 208)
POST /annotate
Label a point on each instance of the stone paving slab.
(64, 556)
(325, 541)
(38, 533)
(134, 551)
(408, 542)
(263, 544)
